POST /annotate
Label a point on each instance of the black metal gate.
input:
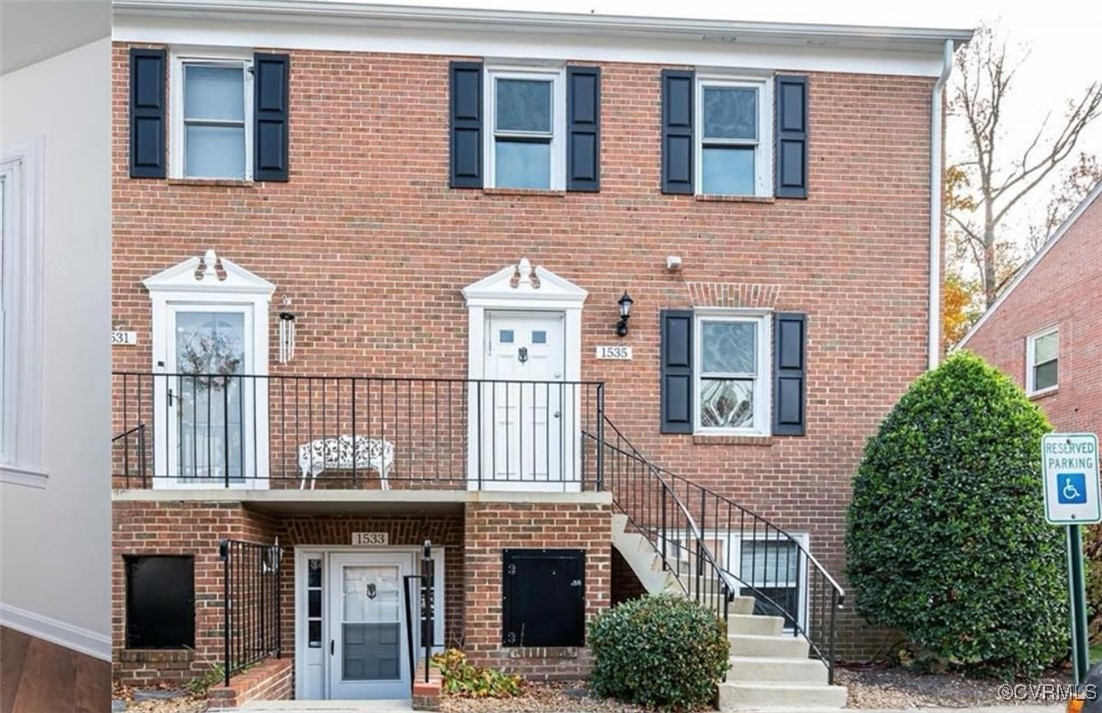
(251, 603)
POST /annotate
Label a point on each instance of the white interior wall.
(55, 542)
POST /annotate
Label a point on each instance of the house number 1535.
(617, 352)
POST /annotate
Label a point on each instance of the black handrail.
(300, 431)
(251, 598)
(772, 566)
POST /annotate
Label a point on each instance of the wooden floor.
(39, 677)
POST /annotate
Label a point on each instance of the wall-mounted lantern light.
(625, 314)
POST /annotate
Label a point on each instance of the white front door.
(368, 653)
(209, 402)
(524, 422)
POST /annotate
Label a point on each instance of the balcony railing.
(315, 432)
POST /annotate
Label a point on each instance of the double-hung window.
(527, 110)
(1042, 360)
(213, 138)
(731, 373)
(734, 126)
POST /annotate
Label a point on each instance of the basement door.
(522, 401)
(368, 654)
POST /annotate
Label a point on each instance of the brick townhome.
(375, 260)
(1045, 329)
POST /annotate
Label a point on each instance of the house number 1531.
(616, 352)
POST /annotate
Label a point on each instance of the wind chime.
(286, 333)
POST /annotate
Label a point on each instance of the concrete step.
(780, 696)
(619, 523)
(755, 624)
(777, 647)
(747, 669)
(742, 605)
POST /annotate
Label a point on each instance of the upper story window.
(230, 115)
(734, 130)
(1042, 360)
(213, 117)
(526, 146)
(732, 373)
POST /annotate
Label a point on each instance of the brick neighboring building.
(1045, 329)
(451, 205)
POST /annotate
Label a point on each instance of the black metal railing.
(250, 604)
(714, 546)
(219, 430)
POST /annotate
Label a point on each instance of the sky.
(1062, 37)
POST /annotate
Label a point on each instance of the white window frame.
(178, 153)
(763, 154)
(763, 381)
(1031, 364)
(21, 462)
(554, 74)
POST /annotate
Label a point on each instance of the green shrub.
(660, 651)
(946, 537)
(460, 678)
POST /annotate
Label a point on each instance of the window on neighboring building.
(527, 110)
(1042, 360)
(731, 373)
(214, 138)
(734, 126)
(160, 602)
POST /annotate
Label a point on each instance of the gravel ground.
(869, 687)
(539, 698)
(899, 688)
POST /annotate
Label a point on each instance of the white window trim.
(557, 76)
(763, 385)
(179, 58)
(23, 464)
(1030, 361)
(763, 156)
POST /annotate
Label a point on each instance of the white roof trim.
(516, 283)
(183, 278)
(438, 18)
(1022, 273)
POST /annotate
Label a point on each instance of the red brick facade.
(1063, 289)
(373, 247)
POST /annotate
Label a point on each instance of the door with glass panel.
(210, 402)
(368, 654)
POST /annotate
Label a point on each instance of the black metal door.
(543, 598)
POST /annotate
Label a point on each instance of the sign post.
(1073, 498)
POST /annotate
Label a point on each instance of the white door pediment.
(520, 286)
(202, 275)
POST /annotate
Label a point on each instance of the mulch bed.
(896, 687)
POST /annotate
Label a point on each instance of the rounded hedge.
(661, 651)
(946, 536)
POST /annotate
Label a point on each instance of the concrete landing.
(398, 706)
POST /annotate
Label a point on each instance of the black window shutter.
(790, 353)
(271, 117)
(466, 124)
(676, 371)
(791, 148)
(677, 130)
(583, 130)
(147, 113)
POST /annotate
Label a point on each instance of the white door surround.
(316, 599)
(524, 290)
(208, 283)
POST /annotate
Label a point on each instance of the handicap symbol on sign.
(1071, 488)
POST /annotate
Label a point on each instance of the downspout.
(934, 355)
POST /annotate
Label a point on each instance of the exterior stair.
(770, 670)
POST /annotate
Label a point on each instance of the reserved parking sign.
(1070, 466)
